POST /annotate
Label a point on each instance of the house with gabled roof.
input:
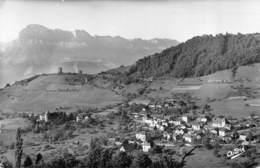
(223, 132)
(146, 146)
(220, 122)
(187, 137)
(196, 126)
(185, 118)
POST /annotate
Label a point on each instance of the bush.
(27, 162)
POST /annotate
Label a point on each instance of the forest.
(200, 56)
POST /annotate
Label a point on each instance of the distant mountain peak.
(42, 49)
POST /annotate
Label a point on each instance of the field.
(220, 90)
(204, 159)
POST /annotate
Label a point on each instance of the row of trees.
(98, 156)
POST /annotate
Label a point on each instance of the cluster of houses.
(188, 128)
(168, 103)
(218, 81)
(54, 115)
(191, 130)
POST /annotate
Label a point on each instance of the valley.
(164, 115)
(103, 96)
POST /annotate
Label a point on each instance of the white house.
(160, 127)
(164, 123)
(185, 119)
(242, 137)
(146, 147)
(148, 121)
(202, 119)
(81, 117)
(152, 106)
(213, 131)
(177, 122)
(122, 149)
(222, 132)
(187, 137)
(179, 132)
(158, 106)
(196, 126)
(141, 136)
(219, 122)
(44, 117)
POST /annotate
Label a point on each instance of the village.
(175, 123)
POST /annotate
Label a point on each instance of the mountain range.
(41, 50)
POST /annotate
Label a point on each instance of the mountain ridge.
(201, 55)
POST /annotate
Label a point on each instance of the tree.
(121, 160)
(70, 160)
(206, 142)
(234, 71)
(95, 143)
(105, 158)
(250, 136)
(141, 160)
(7, 85)
(18, 148)
(235, 135)
(189, 153)
(39, 158)
(5, 163)
(93, 157)
(57, 162)
(216, 146)
(28, 162)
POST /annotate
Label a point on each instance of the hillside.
(200, 56)
(229, 95)
(47, 92)
(41, 50)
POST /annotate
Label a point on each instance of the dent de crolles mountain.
(41, 50)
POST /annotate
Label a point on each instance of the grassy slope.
(49, 92)
(247, 75)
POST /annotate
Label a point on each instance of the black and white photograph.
(129, 83)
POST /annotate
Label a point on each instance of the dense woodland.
(201, 55)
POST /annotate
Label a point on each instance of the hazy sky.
(177, 19)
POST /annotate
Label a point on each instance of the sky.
(175, 19)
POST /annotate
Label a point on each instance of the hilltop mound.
(200, 56)
(46, 92)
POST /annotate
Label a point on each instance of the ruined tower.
(60, 70)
